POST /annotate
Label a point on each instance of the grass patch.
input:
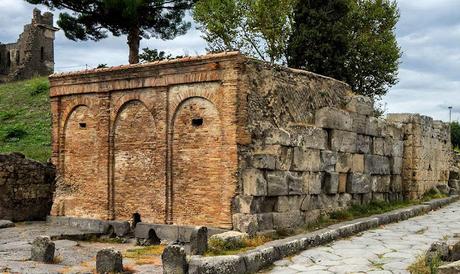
(106, 240)
(421, 266)
(218, 247)
(25, 119)
(145, 255)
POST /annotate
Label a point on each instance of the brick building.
(33, 53)
(227, 141)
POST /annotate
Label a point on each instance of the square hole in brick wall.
(197, 122)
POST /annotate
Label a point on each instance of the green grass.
(424, 266)
(25, 119)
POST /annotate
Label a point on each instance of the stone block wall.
(427, 151)
(26, 188)
(292, 175)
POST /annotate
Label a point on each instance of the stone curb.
(265, 255)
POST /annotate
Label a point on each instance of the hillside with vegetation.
(25, 119)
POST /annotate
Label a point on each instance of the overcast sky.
(428, 32)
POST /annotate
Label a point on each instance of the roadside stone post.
(43, 250)
(199, 240)
(174, 260)
(109, 261)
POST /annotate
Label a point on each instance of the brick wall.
(158, 140)
(26, 188)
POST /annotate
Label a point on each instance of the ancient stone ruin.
(33, 53)
(230, 142)
(26, 188)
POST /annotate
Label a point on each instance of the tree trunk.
(134, 40)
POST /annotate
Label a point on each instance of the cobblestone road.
(389, 249)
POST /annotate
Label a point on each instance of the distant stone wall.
(26, 188)
(427, 147)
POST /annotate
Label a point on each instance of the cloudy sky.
(428, 32)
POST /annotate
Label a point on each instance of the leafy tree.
(151, 55)
(455, 134)
(92, 19)
(102, 66)
(350, 40)
(258, 28)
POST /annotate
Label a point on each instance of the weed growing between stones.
(218, 247)
(421, 266)
(145, 255)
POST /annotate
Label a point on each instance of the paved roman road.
(386, 250)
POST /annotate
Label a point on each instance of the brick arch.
(138, 165)
(206, 91)
(78, 162)
(196, 165)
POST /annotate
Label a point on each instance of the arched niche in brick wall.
(197, 166)
(139, 181)
(80, 164)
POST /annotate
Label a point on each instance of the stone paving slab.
(73, 256)
(388, 249)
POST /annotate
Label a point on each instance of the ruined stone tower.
(33, 53)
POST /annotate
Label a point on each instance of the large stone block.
(333, 118)
(375, 164)
(277, 183)
(396, 165)
(272, 157)
(328, 160)
(344, 162)
(343, 178)
(296, 183)
(378, 146)
(264, 161)
(374, 127)
(285, 220)
(381, 184)
(199, 240)
(331, 183)
(363, 144)
(310, 137)
(396, 183)
(313, 182)
(358, 163)
(359, 123)
(288, 203)
(397, 149)
(43, 250)
(111, 261)
(254, 182)
(358, 183)
(254, 204)
(277, 136)
(361, 104)
(343, 141)
(306, 159)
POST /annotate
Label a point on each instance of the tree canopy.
(260, 28)
(350, 40)
(455, 134)
(92, 19)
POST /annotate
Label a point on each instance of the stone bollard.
(43, 250)
(199, 240)
(109, 261)
(174, 260)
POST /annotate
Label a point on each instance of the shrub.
(38, 86)
(12, 133)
